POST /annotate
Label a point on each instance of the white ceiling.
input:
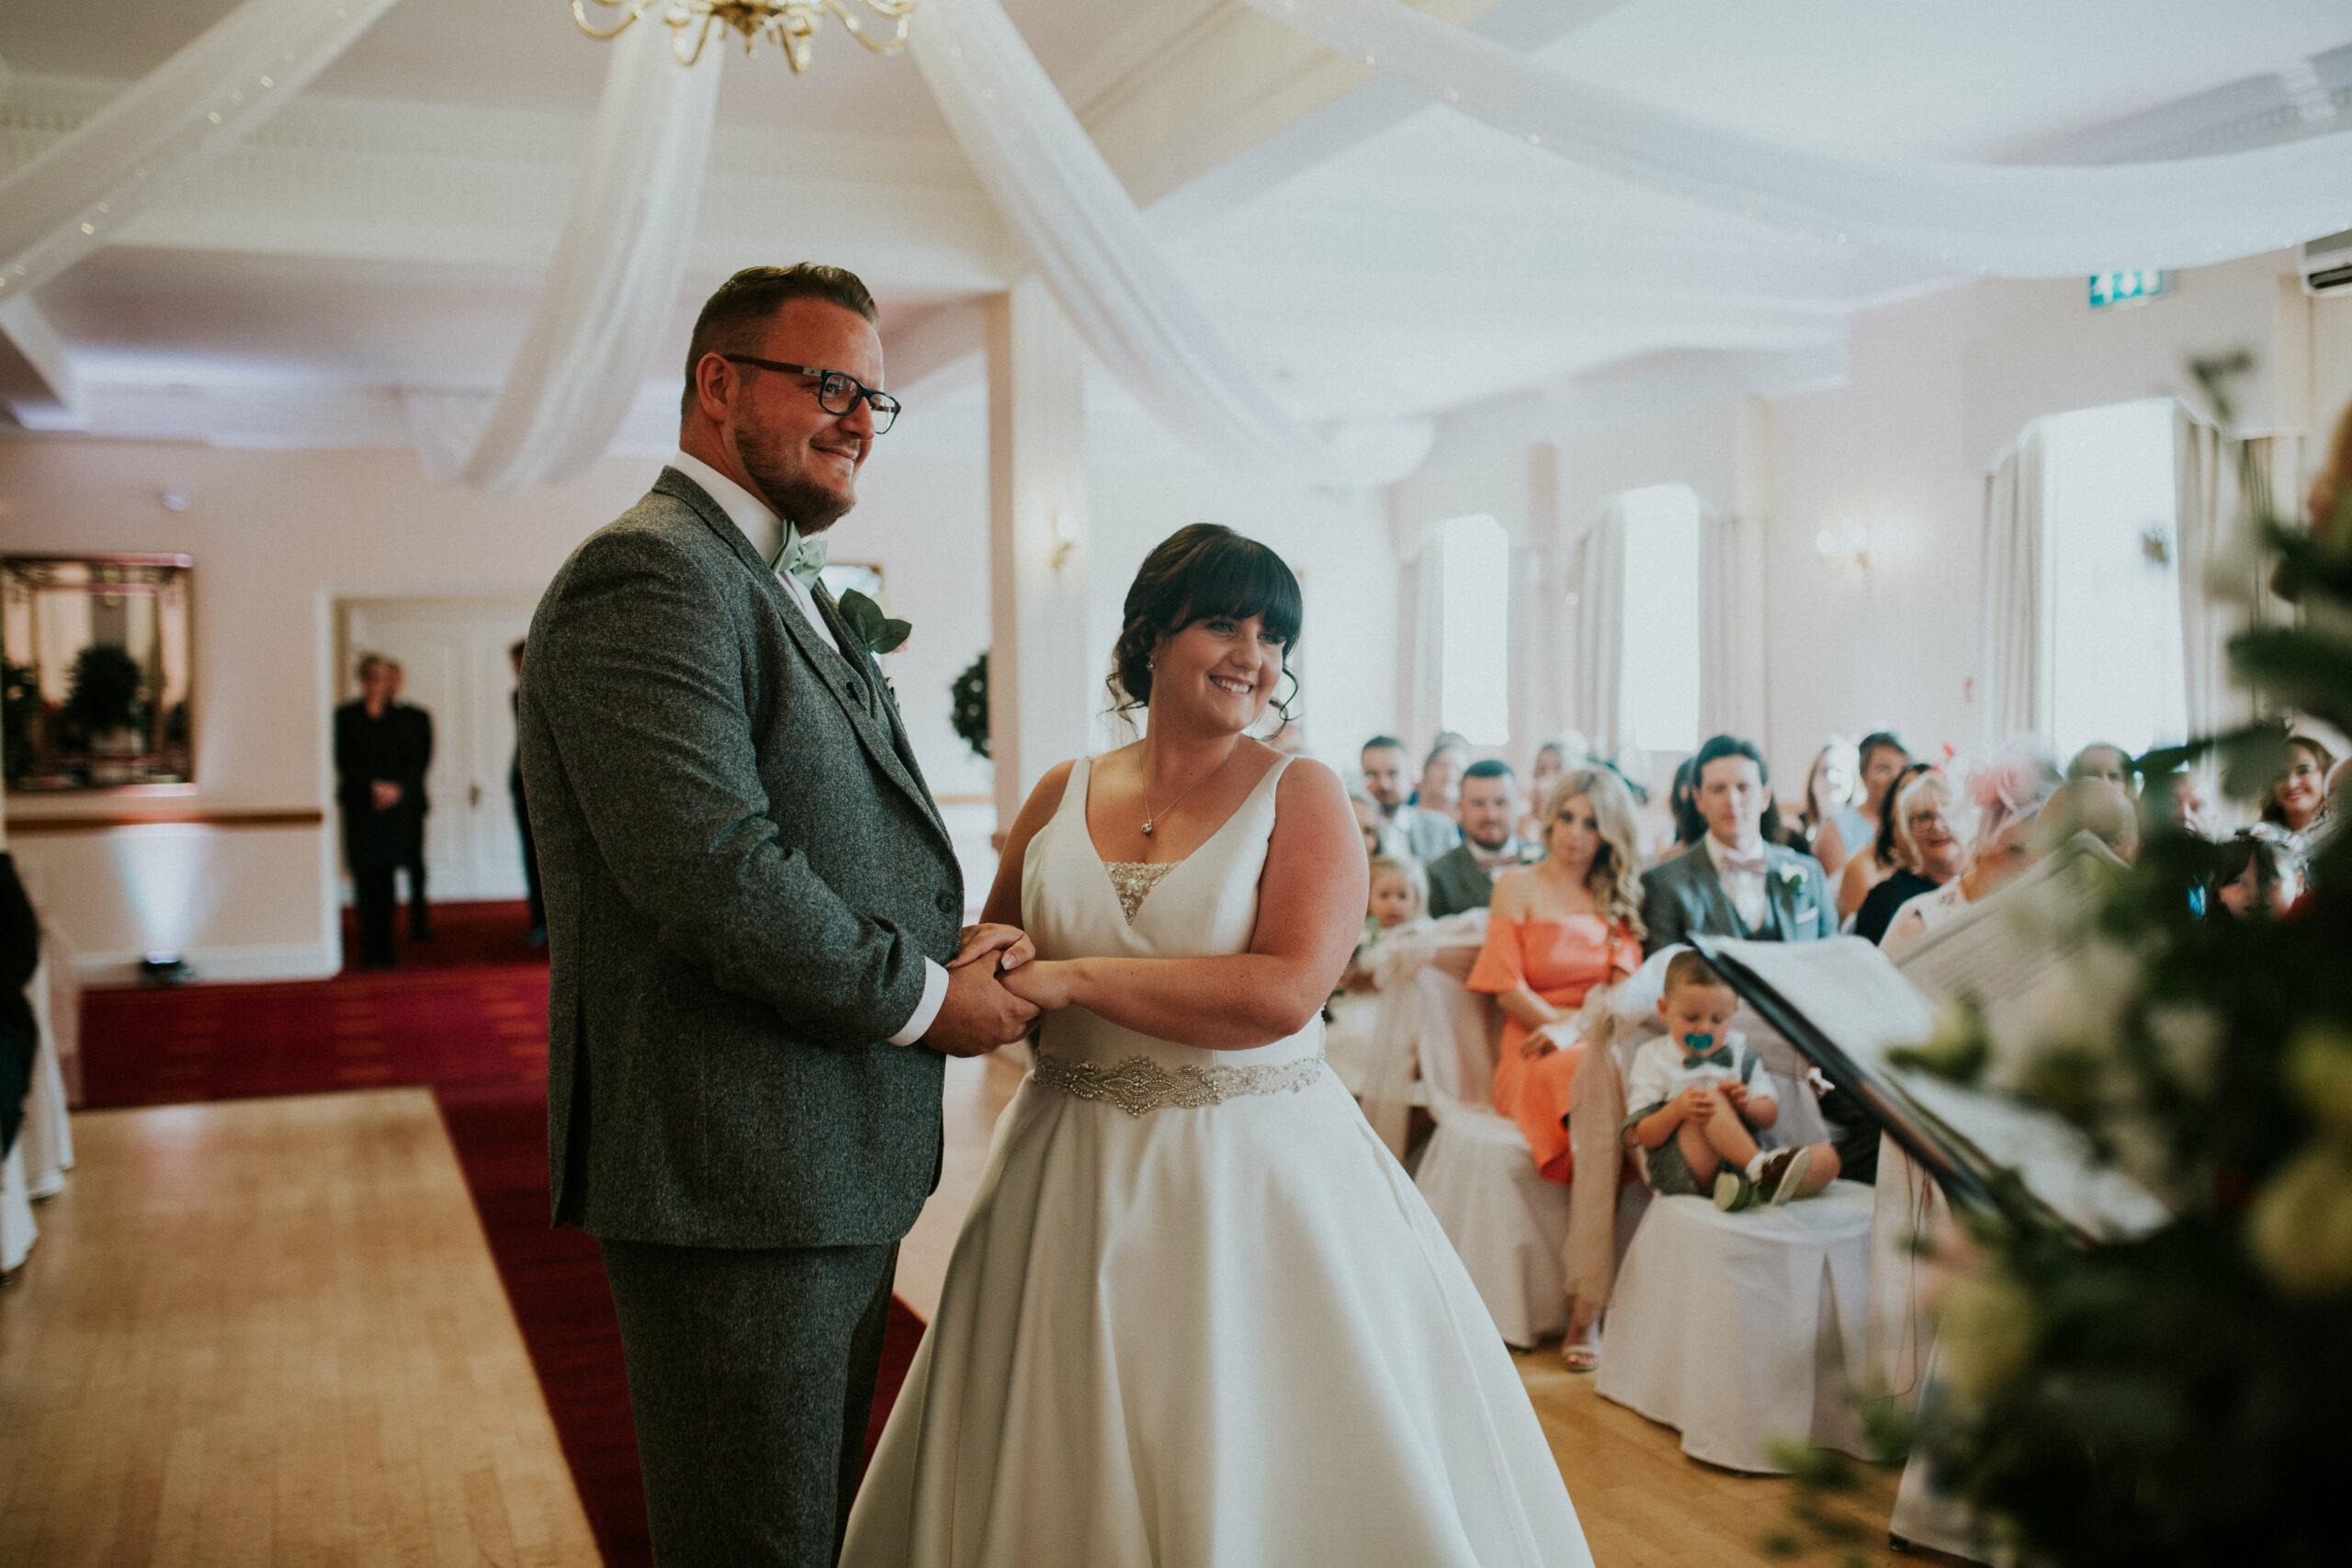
(1372, 258)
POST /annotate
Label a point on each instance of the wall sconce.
(1064, 537)
(1844, 543)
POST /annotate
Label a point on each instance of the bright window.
(1474, 683)
(1659, 671)
(2114, 583)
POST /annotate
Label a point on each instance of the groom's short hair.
(733, 319)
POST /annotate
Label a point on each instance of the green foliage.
(879, 632)
(968, 698)
(103, 694)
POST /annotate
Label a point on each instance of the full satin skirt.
(1223, 1337)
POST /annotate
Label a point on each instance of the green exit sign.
(2112, 289)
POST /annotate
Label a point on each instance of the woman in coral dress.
(1557, 929)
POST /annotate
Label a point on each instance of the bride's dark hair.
(1200, 570)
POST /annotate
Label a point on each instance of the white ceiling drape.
(1082, 232)
(2012, 220)
(168, 126)
(609, 291)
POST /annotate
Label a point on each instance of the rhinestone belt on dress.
(1140, 1084)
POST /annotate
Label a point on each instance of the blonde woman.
(1558, 928)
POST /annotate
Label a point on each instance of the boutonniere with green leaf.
(1792, 878)
(879, 632)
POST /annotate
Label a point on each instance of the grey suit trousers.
(750, 1376)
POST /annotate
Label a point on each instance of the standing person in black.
(420, 913)
(381, 750)
(538, 934)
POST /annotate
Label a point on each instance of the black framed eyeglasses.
(837, 390)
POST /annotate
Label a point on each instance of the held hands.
(385, 793)
(978, 1014)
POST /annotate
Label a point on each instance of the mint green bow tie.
(804, 559)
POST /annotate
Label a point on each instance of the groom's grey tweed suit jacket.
(744, 871)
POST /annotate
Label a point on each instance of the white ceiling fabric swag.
(2010, 221)
(609, 291)
(168, 127)
(1103, 266)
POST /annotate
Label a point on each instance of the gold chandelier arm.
(894, 11)
(633, 9)
(679, 49)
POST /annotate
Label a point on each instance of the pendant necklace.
(1151, 817)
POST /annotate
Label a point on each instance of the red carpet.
(466, 1015)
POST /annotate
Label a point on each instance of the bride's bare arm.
(1310, 911)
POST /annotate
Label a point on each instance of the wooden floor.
(268, 1332)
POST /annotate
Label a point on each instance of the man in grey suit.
(1464, 877)
(751, 907)
(1735, 882)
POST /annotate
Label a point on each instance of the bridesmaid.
(1559, 928)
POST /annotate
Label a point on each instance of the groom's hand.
(978, 1014)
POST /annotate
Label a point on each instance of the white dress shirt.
(764, 529)
(1745, 887)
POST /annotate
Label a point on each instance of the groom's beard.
(784, 480)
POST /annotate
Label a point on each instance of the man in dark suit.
(1734, 881)
(1464, 877)
(749, 898)
(382, 749)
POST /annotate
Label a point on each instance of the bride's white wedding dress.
(1198, 1316)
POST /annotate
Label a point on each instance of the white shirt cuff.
(926, 1014)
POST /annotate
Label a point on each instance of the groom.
(750, 905)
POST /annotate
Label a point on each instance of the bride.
(1198, 1317)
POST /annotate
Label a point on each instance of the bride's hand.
(981, 940)
(1045, 982)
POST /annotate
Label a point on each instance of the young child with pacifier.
(1698, 1090)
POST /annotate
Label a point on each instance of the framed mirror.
(100, 670)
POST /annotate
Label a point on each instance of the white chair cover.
(1745, 1330)
(1509, 1226)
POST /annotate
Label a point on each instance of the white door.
(453, 652)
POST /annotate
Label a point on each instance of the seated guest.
(1682, 805)
(1369, 821)
(1464, 877)
(1828, 790)
(2101, 761)
(1442, 771)
(1552, 759)
(1736, 884)
(2008, 794)
(2099, 806)
(1560, 927)
(2260, 874)
(2187, 810)
(1927, 848)
(1406, 829)
(1859, 867)
(2297, 799)
(1399, 901)
(1696, 1090)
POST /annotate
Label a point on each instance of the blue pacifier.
(1698, 1044)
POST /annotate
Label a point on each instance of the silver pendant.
(1146, 829)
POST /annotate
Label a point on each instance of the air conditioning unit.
(2327, 264)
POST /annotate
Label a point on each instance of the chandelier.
(791, 25)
